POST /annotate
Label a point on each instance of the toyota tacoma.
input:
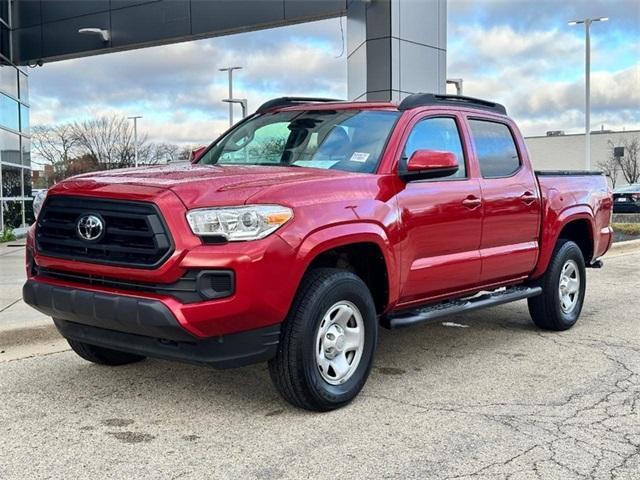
(304, 228)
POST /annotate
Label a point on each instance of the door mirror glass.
(431, 164)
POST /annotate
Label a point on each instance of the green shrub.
(627, 228)
(7, 235)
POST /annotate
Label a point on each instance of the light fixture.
(587, 83)
(97, 31)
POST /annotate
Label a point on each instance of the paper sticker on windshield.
(359, 157)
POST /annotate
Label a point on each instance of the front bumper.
(265, 276)
(144, 326)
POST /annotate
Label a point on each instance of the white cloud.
(179, 89)
(538, 75)
(524, 56)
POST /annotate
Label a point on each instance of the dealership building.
(559, 151)
(15, 147)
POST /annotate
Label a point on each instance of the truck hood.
(208, 185)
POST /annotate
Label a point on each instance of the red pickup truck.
(304, 228)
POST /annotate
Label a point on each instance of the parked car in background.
(627, 199)
(304, 228)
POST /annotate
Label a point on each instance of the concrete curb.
(625, 247)
(26, 342)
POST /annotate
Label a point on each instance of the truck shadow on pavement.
(402, 354)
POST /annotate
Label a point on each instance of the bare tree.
(99, 144)
(56, 145)
(163, 153)
(630, 161)
(110, 141)
(610, 166)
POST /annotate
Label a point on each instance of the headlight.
(249, 222)
(38, 200)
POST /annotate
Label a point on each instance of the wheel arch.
(363, 249)
(576, 224)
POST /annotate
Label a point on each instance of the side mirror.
(196, 153)
(430, 164)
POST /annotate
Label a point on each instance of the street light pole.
(240, 101)
(230, 71)
(587, 83)
(135, 136)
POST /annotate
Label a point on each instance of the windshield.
(350, 140)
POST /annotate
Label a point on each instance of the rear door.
(441, 218)
(511, 202)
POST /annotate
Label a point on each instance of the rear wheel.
(327, 342)
(563, 289)
(103, 356)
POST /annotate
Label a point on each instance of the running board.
(408, 318)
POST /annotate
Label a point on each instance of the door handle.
(472, 202)
(528, 198)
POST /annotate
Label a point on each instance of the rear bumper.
(144, 326)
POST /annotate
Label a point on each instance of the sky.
(520, 53)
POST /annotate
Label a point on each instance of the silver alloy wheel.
(339, 342)
(569, 286)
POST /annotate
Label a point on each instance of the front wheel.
(563, 289)
(327, 342)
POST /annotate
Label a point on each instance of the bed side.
(576, 206)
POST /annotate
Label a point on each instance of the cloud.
(178, 88)
(518, 52)
(538, 71)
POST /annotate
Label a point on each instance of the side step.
(407, 318)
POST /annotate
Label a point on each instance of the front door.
(442, 218)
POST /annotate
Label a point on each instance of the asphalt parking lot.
(485, 395)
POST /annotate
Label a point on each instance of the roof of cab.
(410, 102)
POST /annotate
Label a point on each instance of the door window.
(439, 133)
(495, 148)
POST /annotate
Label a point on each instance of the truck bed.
(583, 195)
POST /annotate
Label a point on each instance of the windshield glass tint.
(350, 140)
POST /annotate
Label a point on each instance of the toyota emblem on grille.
(90, 227)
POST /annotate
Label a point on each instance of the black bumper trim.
(139, 316)
(145, 327)
(229, 351)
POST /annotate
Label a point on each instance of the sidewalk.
(13, 312)
(23, 330)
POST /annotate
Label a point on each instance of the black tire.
(546, 309)
(294, 370)
(103, 356)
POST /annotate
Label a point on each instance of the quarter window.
(439, 133)
(495, 148)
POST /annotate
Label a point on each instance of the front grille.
(135, 234)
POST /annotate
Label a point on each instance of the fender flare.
(552, 225)
(334, 236)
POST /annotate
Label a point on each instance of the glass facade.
(15, 144)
